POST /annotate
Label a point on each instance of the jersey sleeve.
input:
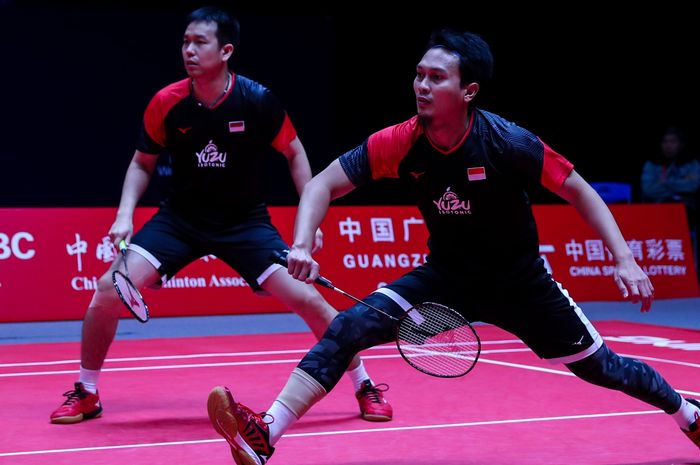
(286, 134)
(279, 129)
(555, 169)
(386, 148)
(532, 158)
(380, 155)
(152, 138)
(355, 163)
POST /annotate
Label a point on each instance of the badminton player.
(216, 125)
(470, 171)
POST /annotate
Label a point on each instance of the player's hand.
(122, 229)
(318, 241)
(301, 265)
(634, 284)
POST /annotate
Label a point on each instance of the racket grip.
(281, 259)
(122, 245)
(324, 282)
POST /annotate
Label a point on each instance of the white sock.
(358, 375)
(686, 415)
(283, 420)
(89, 379)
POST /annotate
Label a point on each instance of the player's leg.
(554, 326)
(252, 436)
(160, 248)
(307, 302)
(248, 249)
(99, 327)
(102, 316)
(350, 332)
(637, 379)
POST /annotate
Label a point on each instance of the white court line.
(221, 364)
(566, 373)
(366, 357)
(338, 432)
(216, 354)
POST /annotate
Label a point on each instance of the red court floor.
(511, 409)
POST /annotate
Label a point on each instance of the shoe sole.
(76, 419)
(220, 409)
(375, 418)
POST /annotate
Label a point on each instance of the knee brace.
(350, 332)
(635, 378)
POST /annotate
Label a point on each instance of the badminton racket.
(431, 337)
(128, 293)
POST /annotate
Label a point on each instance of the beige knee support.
(301, 392)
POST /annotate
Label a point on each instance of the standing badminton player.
(216, 125)
(469, 170)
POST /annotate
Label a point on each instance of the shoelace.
(262, 416)
(257, 418)
(373, 393)
(73, 396)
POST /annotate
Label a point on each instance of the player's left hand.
(634, 284)
(318, 241)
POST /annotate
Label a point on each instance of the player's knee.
(105, 296)
(105, 283)
(602, 368)
(313, 304)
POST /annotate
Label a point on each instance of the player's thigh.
(141, 273)
(423, 284)
(167, 243)
(548, 320)
(248, 249)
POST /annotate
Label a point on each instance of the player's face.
(437, 85)
(200, 49)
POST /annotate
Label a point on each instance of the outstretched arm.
(318, 193)
(138, 175)
(629, 277)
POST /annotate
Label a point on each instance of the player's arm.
(300, 171)
(298, 162)
(629, 277)
(138, 175)
(316, 197)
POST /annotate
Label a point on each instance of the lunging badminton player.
(470, 171)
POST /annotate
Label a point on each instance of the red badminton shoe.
(373, 405)
(693, 432)
(246, 432)
(79, 405)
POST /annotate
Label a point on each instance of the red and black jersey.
(474, 197)
(217, 153)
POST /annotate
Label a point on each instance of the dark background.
(597, 86)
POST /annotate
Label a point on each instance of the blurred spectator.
(674, 176)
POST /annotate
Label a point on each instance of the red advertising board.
(51, 258)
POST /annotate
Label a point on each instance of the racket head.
(130, 296)
(438, 341)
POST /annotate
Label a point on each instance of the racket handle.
(281, 259)
(122, 246)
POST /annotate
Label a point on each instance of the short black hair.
(228, 30)
(475, 58)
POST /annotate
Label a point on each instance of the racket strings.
(130, 296)
(438, 341)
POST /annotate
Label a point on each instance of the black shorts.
(170, 243)
(538, 311)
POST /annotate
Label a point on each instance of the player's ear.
(470, 91)
(227, 51)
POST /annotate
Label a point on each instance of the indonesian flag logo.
(477, 173)
(236, 126)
